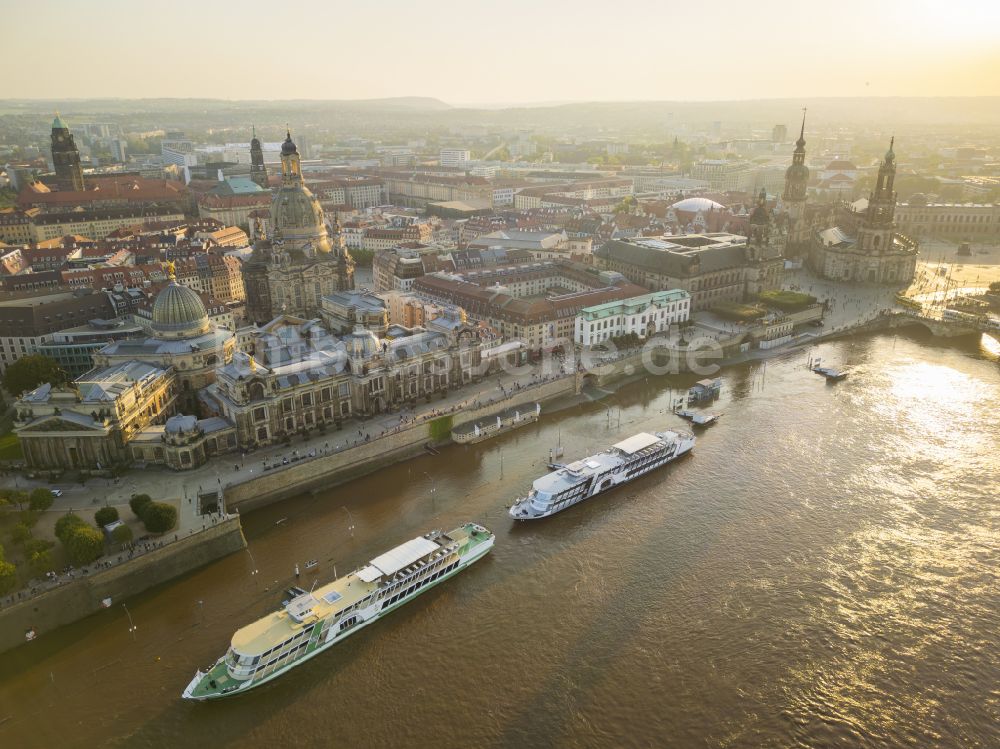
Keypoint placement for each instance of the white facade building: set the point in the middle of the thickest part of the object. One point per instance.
(644, 316)
(455, 156)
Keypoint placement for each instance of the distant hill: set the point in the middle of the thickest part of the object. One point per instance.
(416, 103)
(901, 111)
(401, 117)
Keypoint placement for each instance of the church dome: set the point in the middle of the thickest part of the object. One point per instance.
(179, 313)
(297, 218)
(288, 147)
(693, 205)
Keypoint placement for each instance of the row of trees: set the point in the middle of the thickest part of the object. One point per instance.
(83, 543)
(8, 574)
(36, 551)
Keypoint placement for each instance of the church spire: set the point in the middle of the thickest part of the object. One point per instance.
(882, 200)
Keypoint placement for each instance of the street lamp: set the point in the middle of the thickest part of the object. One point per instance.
(433, 489)
(433, 483)
(131, 625)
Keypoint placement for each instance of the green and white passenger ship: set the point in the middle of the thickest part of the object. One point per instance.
(311, 622)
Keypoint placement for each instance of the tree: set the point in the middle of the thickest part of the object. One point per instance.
(122, 535)
(995, 287)
(105, 516)
(15, 497)
(159, 517)
(37, 544)
(363, 258)
(66, 525)
(84, 544)
(40, 499)
(139, 503)
(20, 534)
(29, 372)
(36, 551)
(7, 577)
(40, 561)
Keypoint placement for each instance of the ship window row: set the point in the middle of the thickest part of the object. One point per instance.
(304, 633)
(418, 585)
(643, 465)
(353, 607)
(574, 492)
(274, 662)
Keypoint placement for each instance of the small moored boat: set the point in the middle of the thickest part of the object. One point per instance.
(699, 419)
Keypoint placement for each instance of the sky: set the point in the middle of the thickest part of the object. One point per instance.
(515, 51)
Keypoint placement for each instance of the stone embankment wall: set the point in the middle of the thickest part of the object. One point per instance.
(330, 470)
(81, 597)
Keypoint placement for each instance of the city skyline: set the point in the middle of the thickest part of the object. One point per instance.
(742, 52)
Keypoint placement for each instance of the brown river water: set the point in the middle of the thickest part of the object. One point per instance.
(822, 571)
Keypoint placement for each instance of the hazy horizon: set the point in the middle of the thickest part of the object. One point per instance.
(525, 54)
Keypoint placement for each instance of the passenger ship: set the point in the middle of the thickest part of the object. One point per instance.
(314, 621)
(622, 462)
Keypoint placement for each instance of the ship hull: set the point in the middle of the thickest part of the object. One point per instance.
(524, 511)
(474, 555)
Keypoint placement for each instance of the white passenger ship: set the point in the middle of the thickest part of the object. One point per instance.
(314, 621)
(619, 464)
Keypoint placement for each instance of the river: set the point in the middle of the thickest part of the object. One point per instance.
(824, 570)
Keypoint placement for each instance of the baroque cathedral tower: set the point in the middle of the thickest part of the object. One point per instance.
(258, 172)
(794, 197)
(292, 270)
(869, 250)
(65, 156)
(875, 234)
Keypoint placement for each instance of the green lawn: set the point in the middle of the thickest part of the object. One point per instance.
(789, 301)
(737, 311)
(10, 448)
